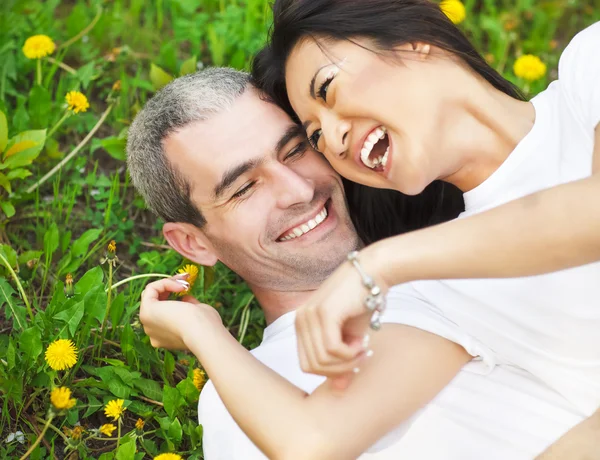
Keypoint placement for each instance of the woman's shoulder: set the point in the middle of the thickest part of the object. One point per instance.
(579, 73)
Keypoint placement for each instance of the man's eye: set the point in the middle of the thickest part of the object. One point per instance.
(297, 151)
(241, 192)
(314, 138)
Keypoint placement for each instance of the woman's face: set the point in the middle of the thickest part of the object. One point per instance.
(376, 119)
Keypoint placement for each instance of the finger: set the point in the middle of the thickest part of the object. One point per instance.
(336, 343)
(305, 352)
(316, 337)
(191, 299)
(341, 382)
(160, 290)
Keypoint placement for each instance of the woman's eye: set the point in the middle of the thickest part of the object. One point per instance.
(325, 86)
(245, 189)
(314, 138)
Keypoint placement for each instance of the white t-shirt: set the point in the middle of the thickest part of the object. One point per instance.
(548, 325)
(497, 415)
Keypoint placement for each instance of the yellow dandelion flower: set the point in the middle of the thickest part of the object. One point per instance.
(38, 46)
(139, 425)
(69, 285)
(107, 429)
(192, 271)
(77, 101)
(529, 67)
(199, 378)
(61, 354)
(114, 409)
(168, 457)
(61, 398)
(454, 9)
(112, 247)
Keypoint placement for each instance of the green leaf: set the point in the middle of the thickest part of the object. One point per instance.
(94, 405)
(3, 131)
(126, 450)
(116, 308)
(6, 297)
(149, 388)
(10, 355)
(90, 280)
(189, 66)
(118, 388)
(72, 316)
(95, 304)
(40, 105)
(19, 173)
(5, 183)
(7, 208)
(30, 342)
(175, 431)
(115, 147)
(22, 149)
(159, 77)
(126, 375)
(51, 240)
(10, 255)
(79, 250)
(169, 364)
(172, 400)
(188, 390)
(107, 456)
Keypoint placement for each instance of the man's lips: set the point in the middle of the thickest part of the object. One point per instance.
(305, 225)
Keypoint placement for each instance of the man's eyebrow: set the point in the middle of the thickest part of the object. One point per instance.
(291, 133)
(232, 174)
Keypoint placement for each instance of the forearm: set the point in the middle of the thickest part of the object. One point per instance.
(582, 442)
(551, 230)
(267, 407)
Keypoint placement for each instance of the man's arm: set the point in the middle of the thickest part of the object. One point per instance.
(580, 443)
(408, 368)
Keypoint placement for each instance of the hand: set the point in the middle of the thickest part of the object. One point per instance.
(332, 326)
(169, 322)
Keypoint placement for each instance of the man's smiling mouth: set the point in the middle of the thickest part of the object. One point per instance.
(307, 226)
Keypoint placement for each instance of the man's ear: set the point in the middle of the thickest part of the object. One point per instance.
(189, 241)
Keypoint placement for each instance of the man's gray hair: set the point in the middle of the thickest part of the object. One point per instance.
(185, 100)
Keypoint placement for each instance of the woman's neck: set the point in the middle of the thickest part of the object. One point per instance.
(484, 129)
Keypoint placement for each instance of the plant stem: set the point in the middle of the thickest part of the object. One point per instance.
(107, 312)
(74, 151)
(21, 290)
(39, 438)
(39, 72)
(119, 432)
(53, 428)
(84, 31)
(62, 65)
(135, 277)
(57, 125)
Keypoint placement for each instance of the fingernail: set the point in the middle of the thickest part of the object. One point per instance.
(181, 276)
(356, 370)
(184, 283)
(369, 353)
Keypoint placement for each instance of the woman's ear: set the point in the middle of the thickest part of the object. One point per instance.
(189, 241)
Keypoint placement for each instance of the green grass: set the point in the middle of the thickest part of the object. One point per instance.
(59, 221)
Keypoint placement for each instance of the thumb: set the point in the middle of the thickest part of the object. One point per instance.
(340, 383)
(190, 299)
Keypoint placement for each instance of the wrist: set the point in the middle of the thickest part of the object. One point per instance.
(375, 260)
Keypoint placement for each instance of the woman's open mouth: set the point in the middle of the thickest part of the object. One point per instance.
(375, 151)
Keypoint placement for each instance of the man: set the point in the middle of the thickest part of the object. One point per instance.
(232, 177)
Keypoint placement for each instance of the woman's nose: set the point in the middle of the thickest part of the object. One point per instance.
(336, 132)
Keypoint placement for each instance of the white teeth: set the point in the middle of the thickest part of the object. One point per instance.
(307, 227)
(372, 139)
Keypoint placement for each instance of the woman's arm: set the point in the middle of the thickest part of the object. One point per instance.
(409, 367)
(550, 230)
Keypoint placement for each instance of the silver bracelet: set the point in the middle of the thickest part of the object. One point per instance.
(375, 300)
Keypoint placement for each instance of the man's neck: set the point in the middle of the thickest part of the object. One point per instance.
(277, 303)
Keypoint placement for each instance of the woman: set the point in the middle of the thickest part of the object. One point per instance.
(364, 80)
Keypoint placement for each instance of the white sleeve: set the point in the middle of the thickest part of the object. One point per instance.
(405, 305)
(212, 415)
(579, 75)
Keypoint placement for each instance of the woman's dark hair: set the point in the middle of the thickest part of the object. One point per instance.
(376, 213)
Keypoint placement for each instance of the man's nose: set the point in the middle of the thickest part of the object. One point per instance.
(292, 188)
(335, 131)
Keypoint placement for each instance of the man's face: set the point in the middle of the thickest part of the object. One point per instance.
(275, 209)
